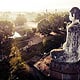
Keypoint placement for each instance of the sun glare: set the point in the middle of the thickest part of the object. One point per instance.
(36, 5)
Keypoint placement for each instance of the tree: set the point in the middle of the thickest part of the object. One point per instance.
(6, 29)
(41, 16)
(56, 21)
(20, 19)
(44, 26)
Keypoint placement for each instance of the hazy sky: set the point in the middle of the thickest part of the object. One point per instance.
(36, 5)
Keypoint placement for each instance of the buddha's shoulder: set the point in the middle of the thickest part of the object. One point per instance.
(74, 27)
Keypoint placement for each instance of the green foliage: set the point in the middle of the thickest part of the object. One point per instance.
(16, 63)
(20, 19)
(6, 28)
(66, 17)
(34, 30)
(39, 17)
(54, 21)
(44, 26)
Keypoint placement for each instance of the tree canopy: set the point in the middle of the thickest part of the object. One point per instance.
(44, 26)
(20, 19)
(52, 22)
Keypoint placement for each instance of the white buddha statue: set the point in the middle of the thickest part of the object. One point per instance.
(72, 44)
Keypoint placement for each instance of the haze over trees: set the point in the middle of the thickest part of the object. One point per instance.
(20, 19)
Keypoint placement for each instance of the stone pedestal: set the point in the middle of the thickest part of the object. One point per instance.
(64, 70)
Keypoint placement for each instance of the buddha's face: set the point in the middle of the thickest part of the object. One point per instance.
(72, 18)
